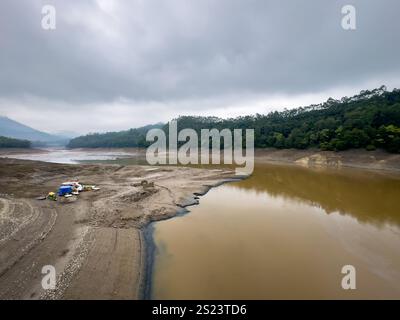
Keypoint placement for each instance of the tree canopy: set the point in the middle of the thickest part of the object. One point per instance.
(368, 120)
(14, 143)
(122, 139)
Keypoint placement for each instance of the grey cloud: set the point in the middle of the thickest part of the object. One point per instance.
(175, 49)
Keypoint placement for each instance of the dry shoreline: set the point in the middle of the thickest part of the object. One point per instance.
(357, 159)
(96, 242)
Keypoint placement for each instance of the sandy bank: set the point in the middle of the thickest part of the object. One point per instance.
(371, 160)
(95, 241)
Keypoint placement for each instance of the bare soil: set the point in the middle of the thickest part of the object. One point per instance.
(94, 240)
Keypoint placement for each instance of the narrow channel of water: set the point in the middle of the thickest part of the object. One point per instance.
(284, 233)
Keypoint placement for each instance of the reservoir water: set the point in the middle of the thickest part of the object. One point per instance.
(284, 233)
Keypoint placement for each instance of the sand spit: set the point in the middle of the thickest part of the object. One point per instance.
(95, 240)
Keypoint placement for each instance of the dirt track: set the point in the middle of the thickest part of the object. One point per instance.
(95, 241)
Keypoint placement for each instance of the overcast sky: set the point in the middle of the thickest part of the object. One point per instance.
(113, 65)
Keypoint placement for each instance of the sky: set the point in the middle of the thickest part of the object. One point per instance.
(113, 65)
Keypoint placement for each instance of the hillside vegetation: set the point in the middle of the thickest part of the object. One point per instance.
(14, 143)
(368, 120)
(121, 139)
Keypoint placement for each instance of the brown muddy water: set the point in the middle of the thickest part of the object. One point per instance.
(284, 233)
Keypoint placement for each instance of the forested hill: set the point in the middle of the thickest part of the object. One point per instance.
(130, 138)
(368, 120)
(14, 143)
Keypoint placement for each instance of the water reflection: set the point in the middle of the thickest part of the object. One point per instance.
(74, 156)
(286, 232)
(367, 196)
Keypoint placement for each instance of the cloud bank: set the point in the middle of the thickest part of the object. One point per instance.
(111, 65)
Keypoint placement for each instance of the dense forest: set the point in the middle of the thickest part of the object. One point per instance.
(122, 139)
(368, 120)
(14, 143)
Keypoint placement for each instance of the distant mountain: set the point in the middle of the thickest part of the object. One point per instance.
(13, 129)
(66, 134)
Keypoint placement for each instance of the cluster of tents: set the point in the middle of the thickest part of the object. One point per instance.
(69, 189)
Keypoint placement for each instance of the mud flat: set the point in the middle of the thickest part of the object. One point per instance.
(96, 240)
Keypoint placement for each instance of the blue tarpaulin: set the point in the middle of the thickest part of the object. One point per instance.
(63, 190)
